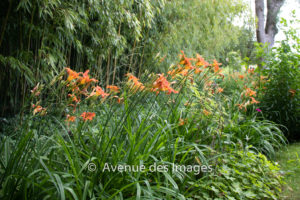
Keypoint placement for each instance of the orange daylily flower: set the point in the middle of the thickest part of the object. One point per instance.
(242, 106)
(87, 116)
(173, 72)
(250, 92)
(85, 79)
(201, 62)
(251, 71)
(119, 100)
(38, 109)
(71, 118)
(98, 91)
(184, 72)
(216, 66)
(74, 98)
(197, 71)
(113, 88)
(136, 84)
(263, 77)
(254, 101)
(241, 76)
(185, 61)
(162, 84)
(220, 90)
(181, 122)
(71, 74)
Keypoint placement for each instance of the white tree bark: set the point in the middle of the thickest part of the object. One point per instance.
(266, 29)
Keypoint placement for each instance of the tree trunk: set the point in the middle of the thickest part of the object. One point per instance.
(265, 32)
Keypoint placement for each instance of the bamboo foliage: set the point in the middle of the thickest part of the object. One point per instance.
(38, 38)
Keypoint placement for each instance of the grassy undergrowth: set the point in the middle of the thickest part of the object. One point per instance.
(289, 161)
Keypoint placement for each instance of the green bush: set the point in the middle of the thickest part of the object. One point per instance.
(281, 96)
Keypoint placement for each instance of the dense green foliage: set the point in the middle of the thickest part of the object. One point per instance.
(198, 126)
(39, 38)
(147, 125)
(281, 95)
(205, 27)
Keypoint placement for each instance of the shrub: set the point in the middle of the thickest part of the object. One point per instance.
(281, 96)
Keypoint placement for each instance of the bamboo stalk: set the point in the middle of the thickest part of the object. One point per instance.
(5, 22)
(140, 66)
(115, 61)
(107, 69)
(30, 31)
(131, 58)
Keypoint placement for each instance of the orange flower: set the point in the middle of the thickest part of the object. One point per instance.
(201, 62)
(98, 91)
(254, 101)
(250, 92)
(197, 71)
(162, 84)
(181, 122)
(136, 84)
(251, 70)
(87, 116)
(242, 106)
(113, 88)
(220, 90)
(241, 76)
(39, 109)
(216, 66)
(263, 77)
(71, 74)
(185, 61)
(73, 97)
(184, 72)
(173, 72)
(206, 113)
(86, 78)
(71, 118)
(119, 100)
